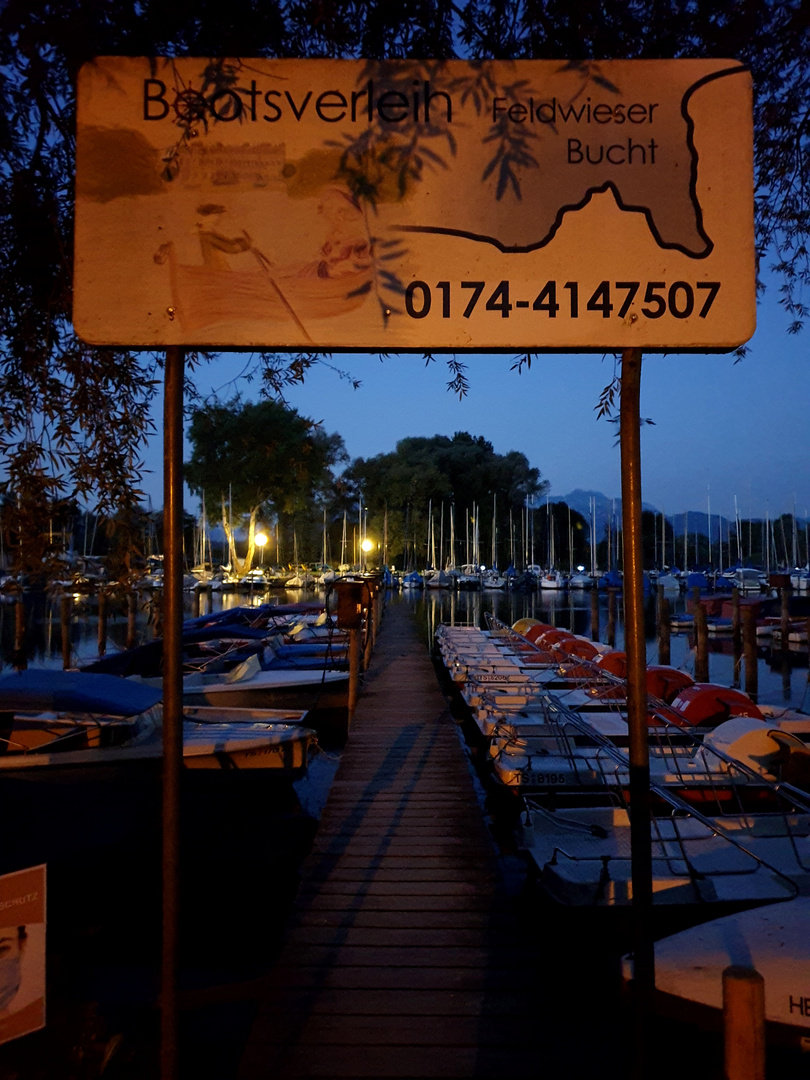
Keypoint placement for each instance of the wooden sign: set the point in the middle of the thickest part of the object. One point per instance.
(397, 205)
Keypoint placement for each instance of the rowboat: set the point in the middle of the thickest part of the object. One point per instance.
(65, 725)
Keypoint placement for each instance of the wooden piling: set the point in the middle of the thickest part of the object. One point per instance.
(784, 621)
(736, 634)
(156, 615)
(132, 611)
(594, 613)
(102, 621)
(664, 627)
(744, 1023)
(368, 625)
(611, 619)
(65, 605)
(354, 671)
(701, 640)
(20, 661)
(749, 633)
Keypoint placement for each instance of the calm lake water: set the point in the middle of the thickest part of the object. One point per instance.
(782, 677)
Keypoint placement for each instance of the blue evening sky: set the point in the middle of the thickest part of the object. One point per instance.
(721, 429)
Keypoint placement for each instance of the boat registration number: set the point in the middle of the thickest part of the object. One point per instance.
(546, 778)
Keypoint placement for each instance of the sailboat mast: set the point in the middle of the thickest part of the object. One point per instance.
(493, 558)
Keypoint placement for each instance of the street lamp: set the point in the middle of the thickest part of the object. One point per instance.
(366, 546)
(260, 539)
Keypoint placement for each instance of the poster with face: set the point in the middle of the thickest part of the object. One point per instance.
(22, 952)
(349, 204)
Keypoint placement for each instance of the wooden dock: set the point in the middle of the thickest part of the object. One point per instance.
(404, 956)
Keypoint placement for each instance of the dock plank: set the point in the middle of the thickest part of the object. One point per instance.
(403, 956)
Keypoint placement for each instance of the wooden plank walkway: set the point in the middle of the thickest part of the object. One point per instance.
(404, 956)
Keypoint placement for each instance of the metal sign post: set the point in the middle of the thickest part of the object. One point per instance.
(172, 697)
(634, 643)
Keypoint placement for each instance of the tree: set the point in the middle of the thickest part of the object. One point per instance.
(463, 474)
(75, 416)
(254, 458)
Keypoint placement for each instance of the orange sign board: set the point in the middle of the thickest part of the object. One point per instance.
(22, 952)
(342, 204)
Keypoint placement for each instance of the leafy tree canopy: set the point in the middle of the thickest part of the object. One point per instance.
(459, 475)
(258, 458)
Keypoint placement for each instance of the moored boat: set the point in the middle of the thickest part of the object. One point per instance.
(773, 939)
(67, 724)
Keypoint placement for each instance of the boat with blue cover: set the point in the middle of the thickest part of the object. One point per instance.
(68, 722)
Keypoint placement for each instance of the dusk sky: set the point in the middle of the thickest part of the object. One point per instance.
(721, 429)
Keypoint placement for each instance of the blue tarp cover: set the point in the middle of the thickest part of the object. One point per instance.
(42, 689)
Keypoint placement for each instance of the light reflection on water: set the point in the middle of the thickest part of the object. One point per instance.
(782, 678)
(43, 628)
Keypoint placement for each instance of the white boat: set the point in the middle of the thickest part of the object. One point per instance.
(747, 580)
(303, 579)
(580, 581)
(253, 579)
(552, 579)
(69, 725)
(582, 855)
(469, 578)
(437, 579)
(491, 579)
(773, 939)
(545, 749)
(249, 686)
(669, 582)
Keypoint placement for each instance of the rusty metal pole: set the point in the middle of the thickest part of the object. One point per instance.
(172, 699)
(634, 643)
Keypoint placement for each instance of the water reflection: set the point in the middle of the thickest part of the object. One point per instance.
(782, 676)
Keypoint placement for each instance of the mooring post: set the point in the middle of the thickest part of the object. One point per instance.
(736, 633)
(640, 795)
(132, 610)
(20, 661)
(102, 621)
(784, 620)
(368, 624)
(595, 612)
(65, 604)
(354, 671)
(749, 632)
(701, 641)
(611, 618)
(172, 698)
(744, 1024)
(662, 613)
